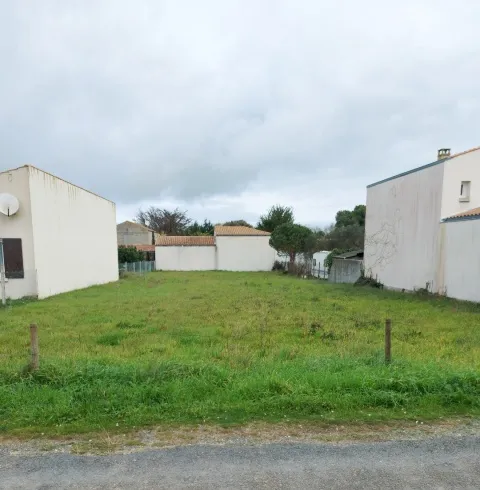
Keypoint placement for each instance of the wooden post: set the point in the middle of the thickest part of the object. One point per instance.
(388, 341)
(35, 361)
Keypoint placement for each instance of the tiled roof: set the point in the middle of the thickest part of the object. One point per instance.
(221, 230)
(463, 152)
(470, 214)
(185, 241)
(145, 248)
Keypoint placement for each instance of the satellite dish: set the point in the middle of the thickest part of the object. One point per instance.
(8, 204)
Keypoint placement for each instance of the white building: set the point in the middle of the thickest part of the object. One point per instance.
(61, 238)
(232, 248)
(318, 263)
(185, 253)
(459, 259)
(315, 264)
(422, 228)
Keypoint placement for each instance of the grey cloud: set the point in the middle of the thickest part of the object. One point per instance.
(189, 100)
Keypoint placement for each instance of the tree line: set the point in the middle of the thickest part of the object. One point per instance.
(288, 237)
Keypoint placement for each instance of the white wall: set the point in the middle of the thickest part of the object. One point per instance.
(320, 257)
(19, 226)
(461, 242)
(244, 253)
(462, 168)
(74, 235)
(402, 229)
(178, 258)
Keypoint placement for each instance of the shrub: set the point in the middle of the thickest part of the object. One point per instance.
(299, 269)
(278, 266)
(364, 280)
(328, 262)
(129, 254)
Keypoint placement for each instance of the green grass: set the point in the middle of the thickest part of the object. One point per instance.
(234, 347)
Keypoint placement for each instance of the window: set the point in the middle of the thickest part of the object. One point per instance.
(12, 256)
(314, 262)
(464, 191)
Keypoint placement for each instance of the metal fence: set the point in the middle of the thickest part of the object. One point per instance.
(137, 267)
(320, 273)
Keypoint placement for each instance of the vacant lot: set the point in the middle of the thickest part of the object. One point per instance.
(234, 347)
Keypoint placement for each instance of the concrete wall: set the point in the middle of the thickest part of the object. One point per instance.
(461, 259)
(402, 229)
(74, 235)
(129, 234)
(19, 226)
(345, 271)
(462, 168)
(244, 253)
(134, 238)
(178, 258)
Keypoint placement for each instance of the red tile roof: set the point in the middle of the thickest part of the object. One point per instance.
(463, 152)
(465, 214)
(185, 241)
(221, 230)
(145, 248)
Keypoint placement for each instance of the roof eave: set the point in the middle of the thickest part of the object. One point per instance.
(408, 172)
(461, 218)
(437, 162)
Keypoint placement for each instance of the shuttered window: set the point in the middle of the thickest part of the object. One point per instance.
(13, 258)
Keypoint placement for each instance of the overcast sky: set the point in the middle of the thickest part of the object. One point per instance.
(225, 107)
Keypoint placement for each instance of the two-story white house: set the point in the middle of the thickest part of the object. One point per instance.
(54, 236)
(423, 227)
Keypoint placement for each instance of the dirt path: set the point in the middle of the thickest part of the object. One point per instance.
(255, 433)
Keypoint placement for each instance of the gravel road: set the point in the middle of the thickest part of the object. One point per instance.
(440, 463)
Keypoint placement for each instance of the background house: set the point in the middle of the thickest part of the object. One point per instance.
(185, 253)
(314, 265)
(421, 225)
(232, 248)
(318, 264)
(131, 233)
(47, 244)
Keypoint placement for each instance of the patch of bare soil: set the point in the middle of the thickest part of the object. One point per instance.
(249, 434)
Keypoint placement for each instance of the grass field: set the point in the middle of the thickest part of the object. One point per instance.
(228, 348)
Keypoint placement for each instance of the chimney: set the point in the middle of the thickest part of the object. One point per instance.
(443, 153)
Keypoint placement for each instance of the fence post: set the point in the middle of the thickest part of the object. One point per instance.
(388, 341)
(35, 356)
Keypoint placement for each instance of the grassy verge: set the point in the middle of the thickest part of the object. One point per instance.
(226, 348)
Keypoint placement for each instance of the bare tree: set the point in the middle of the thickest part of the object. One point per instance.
(164, 221)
